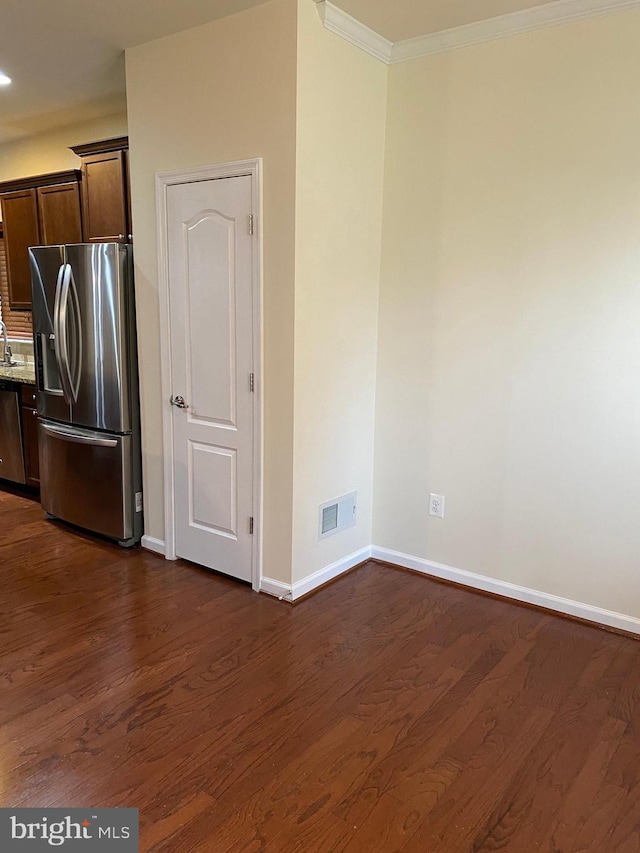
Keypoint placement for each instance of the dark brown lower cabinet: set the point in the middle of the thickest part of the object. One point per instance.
(30, 435)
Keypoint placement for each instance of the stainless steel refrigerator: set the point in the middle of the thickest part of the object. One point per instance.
(87, 381)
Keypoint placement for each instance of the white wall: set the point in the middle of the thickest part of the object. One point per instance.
(220, 92)
(505, 321)
(341, 108)
(509, 344)
(49, 152)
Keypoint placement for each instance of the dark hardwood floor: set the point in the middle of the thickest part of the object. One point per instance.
(386, 713)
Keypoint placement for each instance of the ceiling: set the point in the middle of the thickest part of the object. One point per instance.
(66, 56)
(66, 59)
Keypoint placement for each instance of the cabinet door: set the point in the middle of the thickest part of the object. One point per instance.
(104, 198)
(30, 438)
(11, 458)
(20, 220)
(30, 434)
(59, 214)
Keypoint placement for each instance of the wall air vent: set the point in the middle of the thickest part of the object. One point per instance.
(336, 515)
(329, 518)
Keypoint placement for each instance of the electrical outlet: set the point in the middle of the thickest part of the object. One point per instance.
(436, 505)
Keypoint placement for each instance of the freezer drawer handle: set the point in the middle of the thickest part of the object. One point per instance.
(78, 439)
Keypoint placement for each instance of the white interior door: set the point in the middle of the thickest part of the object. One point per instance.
(211, 317)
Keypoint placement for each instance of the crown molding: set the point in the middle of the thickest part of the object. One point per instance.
(503, 26)
(491, 29)
(350, 29)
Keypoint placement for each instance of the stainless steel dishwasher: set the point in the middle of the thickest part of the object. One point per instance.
(11, 452)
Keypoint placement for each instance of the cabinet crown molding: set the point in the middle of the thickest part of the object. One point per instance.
(103, 146)
(66, 177)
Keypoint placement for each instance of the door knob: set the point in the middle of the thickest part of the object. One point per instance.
(179, 402)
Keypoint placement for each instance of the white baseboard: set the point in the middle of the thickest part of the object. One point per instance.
(306, 585)
(509, 590)
(153, 544)
(472, 580)
(276, 588)
(330, 572)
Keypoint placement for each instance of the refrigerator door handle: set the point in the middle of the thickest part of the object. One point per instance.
(75, 361)
(58, 343)
(70, 435)
(69, 372)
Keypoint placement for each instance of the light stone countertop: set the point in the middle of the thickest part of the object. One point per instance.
(24, 372)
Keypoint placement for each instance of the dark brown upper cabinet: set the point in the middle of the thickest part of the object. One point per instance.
(44, 210)
(20, 223)
(105, 190)
(59, 214)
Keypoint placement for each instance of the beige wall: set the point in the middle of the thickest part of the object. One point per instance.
(220, 92)
(509, 345)
(340, 161)
(49, 152)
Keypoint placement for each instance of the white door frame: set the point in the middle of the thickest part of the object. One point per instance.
(253, 168)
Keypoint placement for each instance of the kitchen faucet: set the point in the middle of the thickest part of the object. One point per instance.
(6, 349)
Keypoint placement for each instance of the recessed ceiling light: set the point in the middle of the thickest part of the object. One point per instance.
(4, 79)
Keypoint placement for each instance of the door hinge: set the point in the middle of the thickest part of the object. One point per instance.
(251, 525)
(251, 224)
(252, 383)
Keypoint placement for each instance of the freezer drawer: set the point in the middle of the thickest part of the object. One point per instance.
(86, 478)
